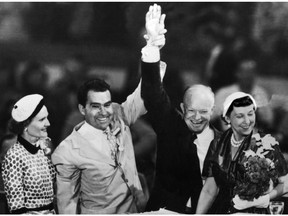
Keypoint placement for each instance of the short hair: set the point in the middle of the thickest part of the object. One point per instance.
(201, 90)
(240, 102)
(18, 127)
(5, 137)
(97, 85)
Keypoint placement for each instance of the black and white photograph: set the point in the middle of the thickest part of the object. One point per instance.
(122, 107)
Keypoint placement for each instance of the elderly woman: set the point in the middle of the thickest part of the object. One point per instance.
(221, 192)
(27, 171)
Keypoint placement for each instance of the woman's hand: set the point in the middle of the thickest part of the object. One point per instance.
(261, 202)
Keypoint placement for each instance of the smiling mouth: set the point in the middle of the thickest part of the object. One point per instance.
(246, 128)
(103, 119)
(196, 123)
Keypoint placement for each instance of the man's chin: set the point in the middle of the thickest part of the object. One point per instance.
(104, 126)
(197, 128)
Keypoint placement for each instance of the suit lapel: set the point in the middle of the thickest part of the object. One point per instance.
(87, 150)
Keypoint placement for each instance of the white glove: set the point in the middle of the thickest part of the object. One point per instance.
(261, 202)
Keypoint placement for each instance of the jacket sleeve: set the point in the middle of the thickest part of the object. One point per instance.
(68, 181)
(134, 107)
(153, 93)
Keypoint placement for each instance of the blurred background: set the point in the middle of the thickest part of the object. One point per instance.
(52, 47)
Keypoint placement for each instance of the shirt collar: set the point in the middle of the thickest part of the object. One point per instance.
(86, 128)
(27, 145)
(206, 134)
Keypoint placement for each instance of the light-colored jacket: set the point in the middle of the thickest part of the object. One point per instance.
(93, 180)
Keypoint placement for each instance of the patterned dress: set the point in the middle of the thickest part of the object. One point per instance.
(28, 176)
(227, 171)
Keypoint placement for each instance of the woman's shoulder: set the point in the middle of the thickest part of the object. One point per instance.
(15, 150)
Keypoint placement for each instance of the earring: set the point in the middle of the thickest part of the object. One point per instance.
(26, 129)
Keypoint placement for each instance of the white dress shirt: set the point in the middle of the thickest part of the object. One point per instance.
(203, 142)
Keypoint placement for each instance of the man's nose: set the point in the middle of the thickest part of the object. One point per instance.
(197, 115)
(103, 110)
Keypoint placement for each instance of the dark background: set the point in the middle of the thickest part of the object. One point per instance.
(105, 39)
(50, 48)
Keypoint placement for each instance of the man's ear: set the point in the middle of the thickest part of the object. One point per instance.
(81, 109)
(212, 109)
(182, 107)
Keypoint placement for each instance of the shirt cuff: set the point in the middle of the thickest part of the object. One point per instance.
(150, 54)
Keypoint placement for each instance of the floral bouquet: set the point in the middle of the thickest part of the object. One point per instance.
(258, 171)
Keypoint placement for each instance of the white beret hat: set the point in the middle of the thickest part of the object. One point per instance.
(27, 107)
(236, 95)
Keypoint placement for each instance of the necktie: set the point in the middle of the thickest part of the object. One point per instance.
(194, 150)
(193, 137)
(112, 140)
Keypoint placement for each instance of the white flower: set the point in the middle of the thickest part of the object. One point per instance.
(249, 153)
(43, 143)
(260, 152)
(120, 145)
(265, 142)
(271, 163)
(257, 137)
(269, 141)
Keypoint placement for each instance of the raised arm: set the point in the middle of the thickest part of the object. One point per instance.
(152, 91)
(134, 107)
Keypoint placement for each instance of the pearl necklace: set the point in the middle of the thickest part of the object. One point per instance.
(235, 143)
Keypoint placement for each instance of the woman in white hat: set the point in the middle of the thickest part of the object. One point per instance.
(229, 188)
(27, 169)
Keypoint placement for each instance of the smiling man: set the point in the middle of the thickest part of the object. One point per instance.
(96, 170)
(183, 138)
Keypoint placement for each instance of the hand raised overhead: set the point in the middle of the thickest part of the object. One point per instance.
(155, 28)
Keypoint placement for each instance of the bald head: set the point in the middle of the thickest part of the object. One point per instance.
(197, 107)
(199, 92)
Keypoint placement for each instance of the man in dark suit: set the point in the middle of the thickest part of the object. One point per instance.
(183, 136)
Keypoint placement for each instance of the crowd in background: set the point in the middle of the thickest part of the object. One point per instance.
(59, 87)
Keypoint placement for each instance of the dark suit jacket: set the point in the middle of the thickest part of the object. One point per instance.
(178, 175)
